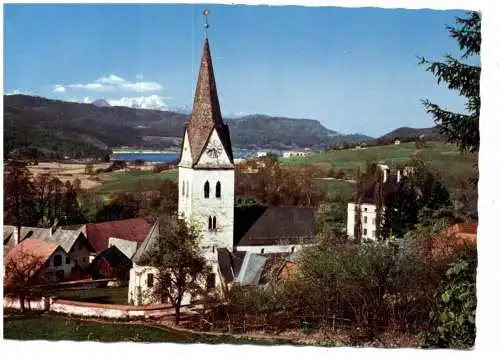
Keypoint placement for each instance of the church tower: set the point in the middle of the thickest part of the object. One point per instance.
(206, 166)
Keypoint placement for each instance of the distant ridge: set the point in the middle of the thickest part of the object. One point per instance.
(431, 133)
(58, 128)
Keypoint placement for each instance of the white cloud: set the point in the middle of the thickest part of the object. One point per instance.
(14, 92)
(149, 102)
(59, 88)
(92, 87)
(142, 86)
(87, 99)
(111, 79)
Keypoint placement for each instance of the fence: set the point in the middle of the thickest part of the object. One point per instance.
(97, 310)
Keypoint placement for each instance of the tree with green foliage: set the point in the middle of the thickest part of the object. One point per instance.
(379, 205)
(19, 194)
(358, 229)
(180, 263)
(454, 316)
(461, 129)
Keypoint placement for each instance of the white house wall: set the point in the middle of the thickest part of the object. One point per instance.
(368, 211)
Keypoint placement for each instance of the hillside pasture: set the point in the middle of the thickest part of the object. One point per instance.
(123, 181)
(446, 158)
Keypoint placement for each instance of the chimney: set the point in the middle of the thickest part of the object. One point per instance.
(54, 227)
(399, 175)
(385, 174)
(15, 237)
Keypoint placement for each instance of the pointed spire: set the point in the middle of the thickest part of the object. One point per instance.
(206, 115)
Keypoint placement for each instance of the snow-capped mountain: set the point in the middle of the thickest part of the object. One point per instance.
(150, 102)
(101, 102)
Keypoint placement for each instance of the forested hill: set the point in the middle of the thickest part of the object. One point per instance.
(79, 130)
(431, 133)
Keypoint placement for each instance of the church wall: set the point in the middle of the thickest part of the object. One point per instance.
(194, 205)
(221, 160)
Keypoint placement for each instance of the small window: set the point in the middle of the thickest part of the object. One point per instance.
(214, 223)
(366, 209)
(210, 281)
(47, 263)
(150, 280)
(365, 232)
(206, 189)
(217, 190)
(261, 251)
(293, 249)
(183, 187)
(213, 249)
(209, 223)
(187, 189)
(365, 219)
(68, 260)
(57, 260)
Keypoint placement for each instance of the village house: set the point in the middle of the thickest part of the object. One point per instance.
(293, 153)
(40, 260)
(391, 184)
(110, 263)
(126, 235)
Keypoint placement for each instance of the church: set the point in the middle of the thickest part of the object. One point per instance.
(234, 241)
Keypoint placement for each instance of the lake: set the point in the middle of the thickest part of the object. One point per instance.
(163, 157)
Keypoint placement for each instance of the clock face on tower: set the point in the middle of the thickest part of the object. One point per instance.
(214, 150)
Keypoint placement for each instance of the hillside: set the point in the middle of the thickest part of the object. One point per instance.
(60, 128)
(431, 133)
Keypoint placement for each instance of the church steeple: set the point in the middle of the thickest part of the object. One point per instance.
(206, 115)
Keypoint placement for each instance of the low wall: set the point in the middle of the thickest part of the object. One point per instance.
(87, 309)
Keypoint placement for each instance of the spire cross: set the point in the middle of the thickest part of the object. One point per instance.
(206, 13)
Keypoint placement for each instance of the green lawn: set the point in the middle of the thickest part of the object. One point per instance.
(135, 180)
(51, 328)
(445, 157)
(114, 295)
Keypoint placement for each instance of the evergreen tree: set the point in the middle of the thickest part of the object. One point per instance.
(379, 205)
(461, 129)
(19, 195)
(359, 201)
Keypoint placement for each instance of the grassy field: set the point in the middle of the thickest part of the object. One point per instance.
(52, 328)
(444, 157)
(130, 181)
(114, 295)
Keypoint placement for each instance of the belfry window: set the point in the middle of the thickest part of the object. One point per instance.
(187, 189)
(217, 190)
(206, 189)
(209, 223)
(214, 223)
(183, 187)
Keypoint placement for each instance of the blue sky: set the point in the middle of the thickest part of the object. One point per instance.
(354, 70)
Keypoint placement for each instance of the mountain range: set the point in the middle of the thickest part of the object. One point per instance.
(58, 128)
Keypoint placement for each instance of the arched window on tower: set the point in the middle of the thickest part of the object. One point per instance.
(209, 223)
(187, 189)
(206, 189)
(214, 223)
(217, 190)
(183, 187)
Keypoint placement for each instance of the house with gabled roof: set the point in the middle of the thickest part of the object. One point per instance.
(32, 257)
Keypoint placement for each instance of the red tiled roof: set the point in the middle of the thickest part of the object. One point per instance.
(464, 228)
(30, 255)
(129, 229)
